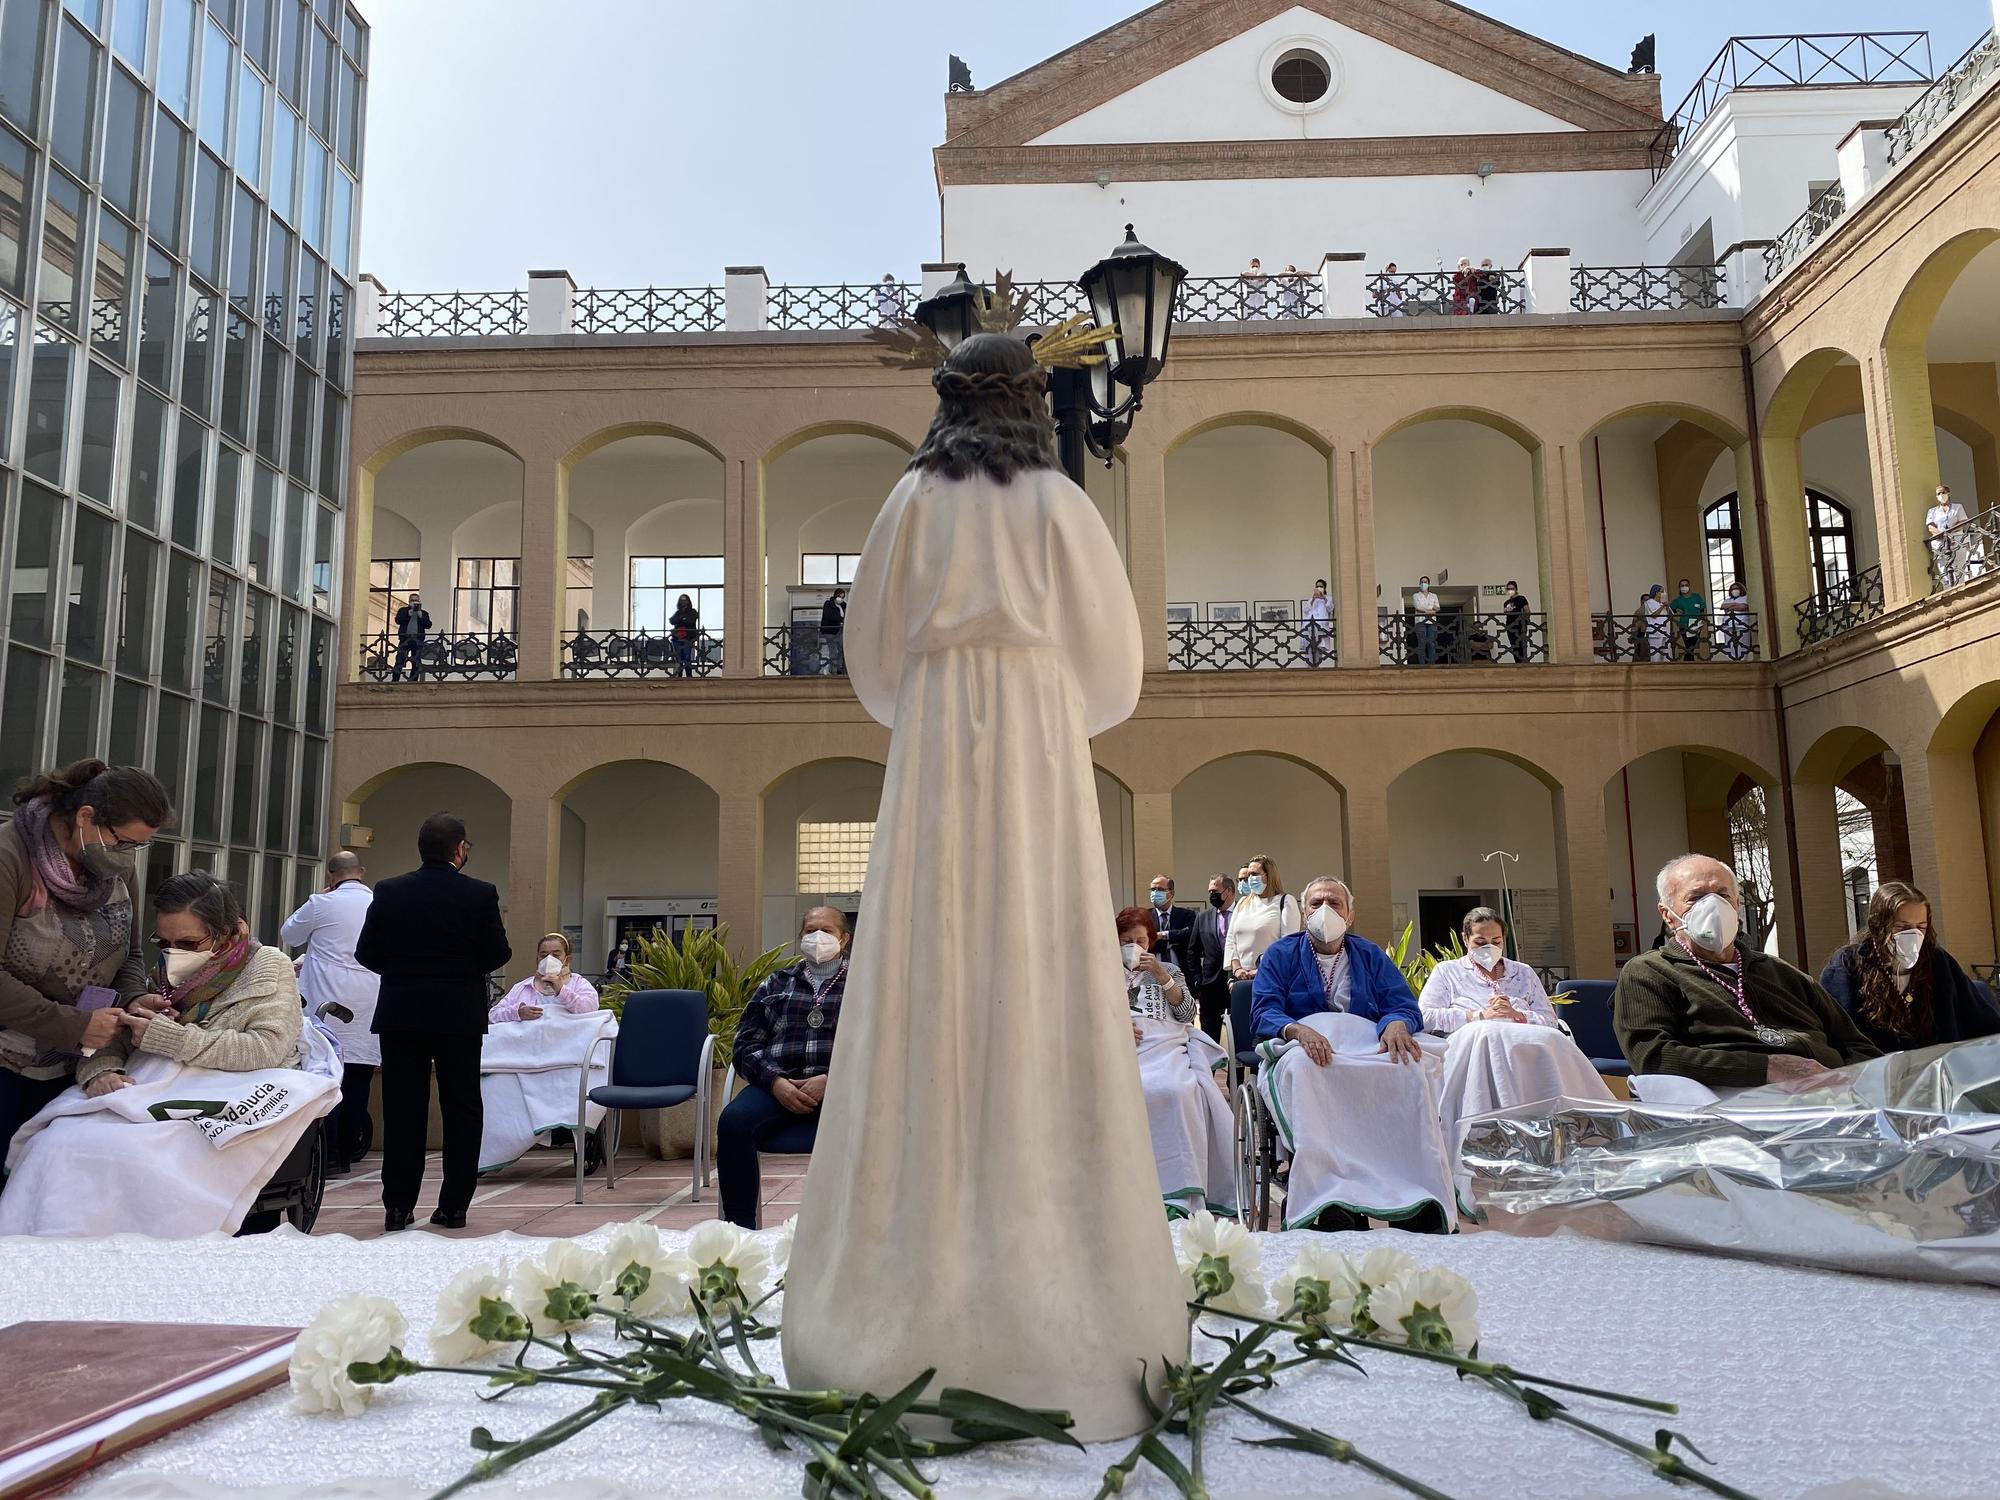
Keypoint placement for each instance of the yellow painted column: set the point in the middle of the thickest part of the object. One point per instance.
(1903, 457)
(739, 871)
(1354, 584)
(1146, 545)
(544, 565)
(1153, 843)
(1368, 867)
(360, 551)
(742, 567)
(1820, 871)
(1780, 894)
(1948, 849)
(1791, 558)
(1560, 496)
(1583, 879)
(534, 858)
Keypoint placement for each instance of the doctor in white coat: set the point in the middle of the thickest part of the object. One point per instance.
(327, 927)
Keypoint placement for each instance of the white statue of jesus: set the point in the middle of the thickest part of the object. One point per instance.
(982, 1198)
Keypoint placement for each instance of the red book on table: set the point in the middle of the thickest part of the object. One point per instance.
(80, 1394)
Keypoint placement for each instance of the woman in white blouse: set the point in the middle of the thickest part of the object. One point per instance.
(1263, 914)
(1483, 986)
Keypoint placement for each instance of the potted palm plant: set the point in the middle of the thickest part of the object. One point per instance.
(700, 961)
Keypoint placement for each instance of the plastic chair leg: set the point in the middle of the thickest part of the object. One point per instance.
(613, 1118)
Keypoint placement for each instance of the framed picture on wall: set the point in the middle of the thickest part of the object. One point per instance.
(1275, 611)
(1180, 614)
(1234, 613)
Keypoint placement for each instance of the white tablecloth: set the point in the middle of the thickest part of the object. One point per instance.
(1799, 1385)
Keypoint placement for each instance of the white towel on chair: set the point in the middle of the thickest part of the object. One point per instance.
(528, 1079)
(1362, 1131)
(1194, 1139)
(180, 1152)
(1491, 1065)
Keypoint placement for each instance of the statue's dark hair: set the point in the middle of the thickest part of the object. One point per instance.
(992, 416)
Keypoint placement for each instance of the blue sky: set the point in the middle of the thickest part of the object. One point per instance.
(652, 142)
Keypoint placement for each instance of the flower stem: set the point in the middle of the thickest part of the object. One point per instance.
(556, 1432)
(1669, 1466)
(1338, 1449)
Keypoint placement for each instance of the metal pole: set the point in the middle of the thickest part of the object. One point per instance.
(1506, 903)
(1069, 398)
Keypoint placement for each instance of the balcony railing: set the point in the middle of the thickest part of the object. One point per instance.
(1427, 294)
(1463, 639)
(1962, 82)
(801, 651)
(1250, 645)
(1644, 288)
(453, 315)
(489, 654)
(1822, 60)
(639, 653)
(1729, 635)
(1048, 303)
(1848, 604)
(1966, 551)
(651, 309)
(1236, 299)
(791, 308)
(1820, 215)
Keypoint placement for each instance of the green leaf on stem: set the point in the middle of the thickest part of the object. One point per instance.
(484, 1441)
(1163, 1458)
(990, 1419)
(1666, 1437)
(867, 1433)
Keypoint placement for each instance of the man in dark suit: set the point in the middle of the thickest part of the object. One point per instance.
(1208, 946)
(433, 935)
(1173, 923)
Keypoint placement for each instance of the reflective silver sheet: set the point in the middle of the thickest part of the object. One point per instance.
(1892, 1169)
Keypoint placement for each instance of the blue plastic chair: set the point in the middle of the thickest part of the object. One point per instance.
(1245, 1054)
(1588, 1016)
(660, 1058)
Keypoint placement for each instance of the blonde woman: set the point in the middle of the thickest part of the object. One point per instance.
(1264, 913)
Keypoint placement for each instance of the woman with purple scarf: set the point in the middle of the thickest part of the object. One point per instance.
(70, 960)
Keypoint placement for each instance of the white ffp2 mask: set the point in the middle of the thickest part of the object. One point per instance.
(1131, 953)
(820, 947)
(1712, 922)
(1909, 944)
(1486, 955)
(1326, 924)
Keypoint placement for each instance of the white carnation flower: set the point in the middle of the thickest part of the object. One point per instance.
(565, 1263)
(729, 1265)
(348, 1331)
(1320, 1286)
(1433, 1309)
(780, 1248)
(1380, 1267)
(452, 1340)
(637, 1247)
(1218, 1261)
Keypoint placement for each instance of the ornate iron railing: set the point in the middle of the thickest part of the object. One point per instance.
(1426, 294)
(1966, 551)
(1727, 635)
(446, 657)
(1465, 639)
(1047, 303)
(863, 305)
(801, 651)
(1823, 59)
(1250, 645)
(452, 315)
(1819, 216)
(649, 309)
(1644, 288)
(639, 653)
(1236, 299)
(1987, 973)
(1835, 611)
(1962, 81)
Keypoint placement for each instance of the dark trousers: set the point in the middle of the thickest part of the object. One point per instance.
(407, 1060)
(748, 1121)
(21, 1099)
(410, 651)
(354, 1131)
(1214, 1002)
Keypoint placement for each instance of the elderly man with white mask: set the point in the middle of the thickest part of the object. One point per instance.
(1344, 1078)
(1706, 1008)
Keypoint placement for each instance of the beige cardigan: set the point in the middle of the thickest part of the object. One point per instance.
(255, 1023)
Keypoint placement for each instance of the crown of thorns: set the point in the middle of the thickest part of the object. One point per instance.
(1071, 344)
(966, 385)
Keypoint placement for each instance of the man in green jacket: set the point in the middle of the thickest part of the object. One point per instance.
(1702, 1007)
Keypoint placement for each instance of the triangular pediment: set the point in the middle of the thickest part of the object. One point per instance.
(1460, 73)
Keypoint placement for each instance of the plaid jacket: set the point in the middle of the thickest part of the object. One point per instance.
(773, 1040)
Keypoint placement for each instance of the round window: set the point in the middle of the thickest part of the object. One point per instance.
(1301, 77)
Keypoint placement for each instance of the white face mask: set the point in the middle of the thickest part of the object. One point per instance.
(1908, 945)
(820, 947)
(1711, 922)
(1132, 953)
(549, 967)
(1327, 925)
(182, 965)
(1486, 955)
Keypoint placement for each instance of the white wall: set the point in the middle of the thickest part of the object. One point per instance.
(822, 496)
(438, 488)
(1248, 517)
(1657, 808)
(1246, 805)
(639, 829)
(395, 534)
(1630, 496)
(648, 496)
(398, 809)
(1447, 812)
(1460, 496)
(1833, 458)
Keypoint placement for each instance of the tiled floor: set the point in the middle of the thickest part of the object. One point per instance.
(537, 1196)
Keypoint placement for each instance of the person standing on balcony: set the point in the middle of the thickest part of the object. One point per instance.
(1292, 293)
(1488, 287)
(1390, 298)
(1736, 623)
(1318, 626)
(1689, 611)
(1947, 550)
(413, 624)
(833, 633)
(1517, 608)
(685, 623)
(1254, 291)
(1464, 289)
(1650, 626)
(1424, 607)
(888, 299)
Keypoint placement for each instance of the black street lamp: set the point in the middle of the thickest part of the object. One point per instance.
(952, 313)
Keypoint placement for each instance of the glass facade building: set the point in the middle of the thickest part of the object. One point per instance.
(179, 197)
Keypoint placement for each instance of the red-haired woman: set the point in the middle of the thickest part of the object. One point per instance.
(1187, 1111)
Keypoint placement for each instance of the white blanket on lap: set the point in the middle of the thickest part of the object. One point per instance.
(1491, 1065)
(528, 1079)
(1362, 1131)
(1194, 1136)
(181, 1152)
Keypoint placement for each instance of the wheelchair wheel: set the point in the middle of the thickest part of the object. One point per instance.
(303, 1211)
(593, 1152)
(1252, 1191)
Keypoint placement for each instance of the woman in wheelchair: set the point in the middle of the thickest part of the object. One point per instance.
(551, 987)
(1187, 1106)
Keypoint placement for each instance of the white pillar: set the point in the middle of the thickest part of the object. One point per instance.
(551, 302)
(1548, 281)
(1343, 281)
(1864, 158)
(368, 305)
(1743, 272)
(744, 290)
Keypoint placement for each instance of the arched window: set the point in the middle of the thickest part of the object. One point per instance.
(1722, 546)
(1831, 529)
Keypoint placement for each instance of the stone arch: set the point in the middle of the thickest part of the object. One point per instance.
(1298, 818)
(842, 792)
(1276, 421)
(812, 474)
(837, 428)
(636, 828)
(604, 437)
(1480, 416)
(1787, 415)
(396, 799)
